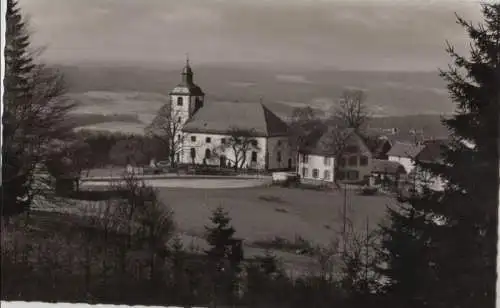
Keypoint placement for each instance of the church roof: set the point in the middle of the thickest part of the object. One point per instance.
(224, 117)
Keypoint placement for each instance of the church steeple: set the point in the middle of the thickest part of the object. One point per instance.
(187, 73)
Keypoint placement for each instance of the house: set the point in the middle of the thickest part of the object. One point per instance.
(432, 153)
(387, 173)
(226, 134)
(405, 153)
(317, 159)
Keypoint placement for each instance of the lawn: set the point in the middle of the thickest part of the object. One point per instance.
(262, 213)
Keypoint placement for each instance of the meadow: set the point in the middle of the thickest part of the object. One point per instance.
(267, 214)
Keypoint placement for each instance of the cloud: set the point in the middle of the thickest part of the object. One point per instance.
(316, 33)
(292, 78)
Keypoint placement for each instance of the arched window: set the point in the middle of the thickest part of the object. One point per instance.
(179, 101)
(208, 153)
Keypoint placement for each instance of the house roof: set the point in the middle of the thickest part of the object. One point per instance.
(223, 117)
(385, 166)
(433, 151)
(320, 142)
(404, 149)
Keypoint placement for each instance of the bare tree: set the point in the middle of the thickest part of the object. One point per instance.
(303, 122)
(347, 120)
(166, 127)
(240, 142)
(352, 111)
(337, 140)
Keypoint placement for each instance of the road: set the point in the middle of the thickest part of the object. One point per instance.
(215, 183)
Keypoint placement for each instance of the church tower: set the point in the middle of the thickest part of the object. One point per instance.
(186, 98)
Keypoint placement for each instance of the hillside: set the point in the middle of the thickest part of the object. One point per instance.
(399, 99)
(388, 93)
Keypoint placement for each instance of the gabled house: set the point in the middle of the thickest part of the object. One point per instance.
(405, 153)
(387, 173)
(317, 159)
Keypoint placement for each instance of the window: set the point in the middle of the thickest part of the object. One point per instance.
(353, 161)
(279, 142)
(208, 140)
(304, 172)
(341, 175)
(192, 153)
(208, 153)
(278, 156)
(254, 143)
(342, 162)
(179, 119)
(363, 160)
(326, 175)
(179, 101)
(178, 137)
(193, 138)
(315, 173)
(223, 141)
(326, 161)
(304, 158)
(254, 157)
(352, 175)
(351, 149)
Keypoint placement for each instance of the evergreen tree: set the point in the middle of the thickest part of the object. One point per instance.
(219, 236)
(454, 232)
(33, 114)
(224, 261)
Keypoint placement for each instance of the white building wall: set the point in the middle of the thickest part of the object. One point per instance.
(183, 112)
(363, 171)
(305, 168)
(217, 149)
(281, 155)
(406, 162)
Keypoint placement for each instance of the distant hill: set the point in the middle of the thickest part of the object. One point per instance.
(116, 95)
(388, 93)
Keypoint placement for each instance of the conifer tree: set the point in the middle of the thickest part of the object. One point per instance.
(454, 232)
(33, 115)
(224, 264)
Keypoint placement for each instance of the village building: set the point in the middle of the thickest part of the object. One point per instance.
(225, 134)
(387, 174)
(317, 161)
(431, 153)
(405, 153)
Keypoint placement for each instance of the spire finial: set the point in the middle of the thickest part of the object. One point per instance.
(187, 59)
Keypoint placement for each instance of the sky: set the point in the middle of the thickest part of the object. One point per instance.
(317, 34)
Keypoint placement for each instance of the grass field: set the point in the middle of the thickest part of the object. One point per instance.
(261, 213)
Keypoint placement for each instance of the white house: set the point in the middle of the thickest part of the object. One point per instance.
(405, 153)
(317, 159)
(227, 133)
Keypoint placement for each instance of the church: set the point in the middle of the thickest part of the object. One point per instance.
(247, 134)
